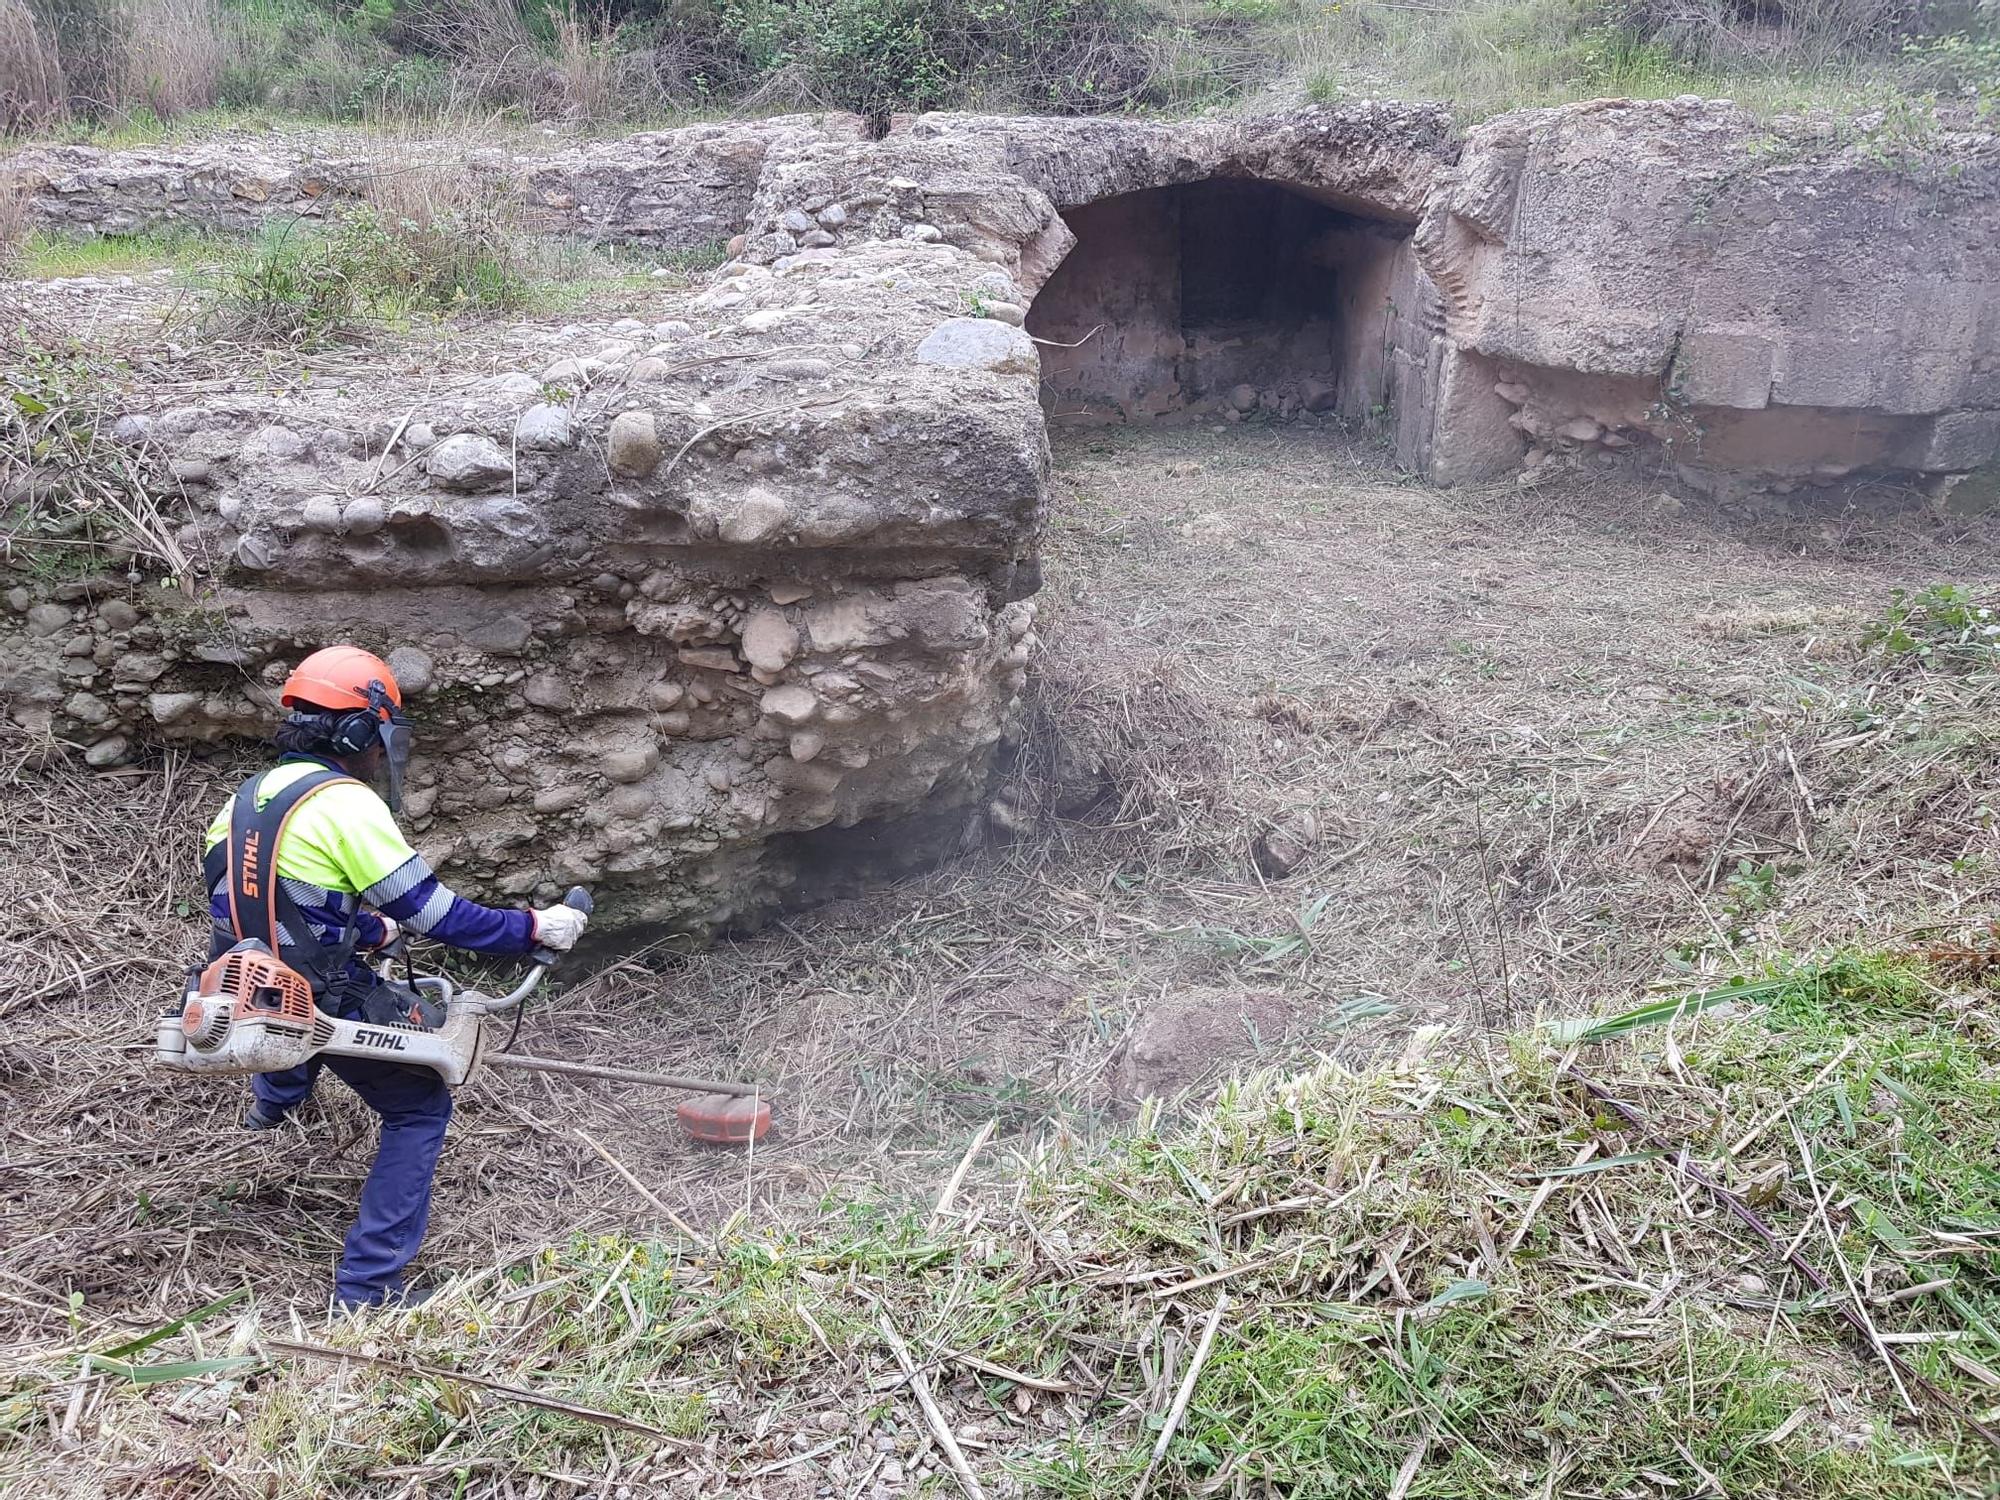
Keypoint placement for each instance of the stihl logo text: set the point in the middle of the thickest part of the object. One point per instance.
(387, 1040)
(250, 842)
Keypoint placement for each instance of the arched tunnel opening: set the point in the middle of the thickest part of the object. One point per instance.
(1188, 299)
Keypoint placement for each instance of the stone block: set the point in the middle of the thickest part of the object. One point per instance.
(1826, 372)
(1725, 369)
(980, 344)
(1962, 440)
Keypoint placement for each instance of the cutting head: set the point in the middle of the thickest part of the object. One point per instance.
(725, 1119)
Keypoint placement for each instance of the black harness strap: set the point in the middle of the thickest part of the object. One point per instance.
(259, 907)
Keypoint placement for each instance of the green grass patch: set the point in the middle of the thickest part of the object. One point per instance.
(46, 254)
(308, 286)
(312, 285)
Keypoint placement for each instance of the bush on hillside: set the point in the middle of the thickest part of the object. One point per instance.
(619, 61)
(1809, 32)
(33, 91)
(877, 57)
(430, 237)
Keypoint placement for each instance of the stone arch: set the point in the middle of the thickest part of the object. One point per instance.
(1175, 297)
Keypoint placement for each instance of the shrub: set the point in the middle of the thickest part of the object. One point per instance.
(443, 236)
(694, 52)
(80, 497)
(1804, 34)
(1961, 66)
(299, 287)
(174, 54)
(877, 57)
(32, 90)
(87, 38)
(600, 80)
(429, 238)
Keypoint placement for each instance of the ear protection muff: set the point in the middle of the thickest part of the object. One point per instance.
(354, 732)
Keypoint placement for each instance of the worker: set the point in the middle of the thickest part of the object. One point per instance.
(348, 881)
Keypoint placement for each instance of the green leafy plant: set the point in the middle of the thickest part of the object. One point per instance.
(78, 495)
(1943, 625)
(1264, 951)
(1960, 66)
(878, 57)
(309, 287)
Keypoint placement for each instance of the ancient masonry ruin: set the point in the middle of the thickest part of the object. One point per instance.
(697, 611)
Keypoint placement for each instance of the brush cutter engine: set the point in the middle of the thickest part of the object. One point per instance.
(250, 1012)
(247, 1012)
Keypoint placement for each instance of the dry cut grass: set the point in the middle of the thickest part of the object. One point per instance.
(1733, 1244)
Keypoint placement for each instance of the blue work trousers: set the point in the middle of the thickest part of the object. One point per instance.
(414, 1106)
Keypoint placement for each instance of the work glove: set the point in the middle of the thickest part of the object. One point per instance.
(390, 932)
(559, 927)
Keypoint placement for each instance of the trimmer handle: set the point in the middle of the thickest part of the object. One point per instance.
(578, 899)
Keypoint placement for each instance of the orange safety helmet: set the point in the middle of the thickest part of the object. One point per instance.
(339, 677)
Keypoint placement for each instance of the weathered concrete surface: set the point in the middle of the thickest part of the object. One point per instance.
(1759, 305)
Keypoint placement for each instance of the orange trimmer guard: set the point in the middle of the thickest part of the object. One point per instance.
(726, 1119)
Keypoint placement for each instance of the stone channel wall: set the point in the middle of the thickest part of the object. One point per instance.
(1672, 285)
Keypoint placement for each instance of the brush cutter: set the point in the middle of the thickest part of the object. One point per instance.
(249, 1012)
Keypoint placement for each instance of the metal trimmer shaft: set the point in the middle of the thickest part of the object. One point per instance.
(620, 1075)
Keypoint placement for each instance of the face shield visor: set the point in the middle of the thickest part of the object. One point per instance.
(395, 734)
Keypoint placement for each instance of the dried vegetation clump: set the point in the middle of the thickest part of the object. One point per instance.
(78, 492)
(1733, 1241)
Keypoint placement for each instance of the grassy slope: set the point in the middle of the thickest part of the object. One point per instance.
(272, 63)
(1444, 1278)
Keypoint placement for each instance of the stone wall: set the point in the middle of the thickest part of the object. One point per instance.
(1739, 304)
(1743, 305)
(682, 189)
(666, 598)
(691, 607)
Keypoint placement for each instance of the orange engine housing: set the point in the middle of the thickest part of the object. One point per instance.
(246, 983)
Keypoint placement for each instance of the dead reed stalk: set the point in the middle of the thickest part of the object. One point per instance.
(175, 53)
(33, 92)
(14, 223)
